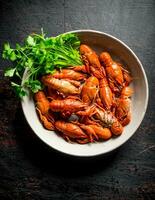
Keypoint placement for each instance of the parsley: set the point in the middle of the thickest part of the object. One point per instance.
(40, 55)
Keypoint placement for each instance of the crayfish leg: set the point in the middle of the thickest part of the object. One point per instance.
(126, 120)
(67, 138)
(83, 141)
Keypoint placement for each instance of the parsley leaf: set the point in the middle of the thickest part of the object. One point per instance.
(9, 72)
(34, 85)
(20, 92)
(30, 41)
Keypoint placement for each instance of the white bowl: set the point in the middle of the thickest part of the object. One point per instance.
(99, 41)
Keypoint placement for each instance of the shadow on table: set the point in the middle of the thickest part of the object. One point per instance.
(52, 161)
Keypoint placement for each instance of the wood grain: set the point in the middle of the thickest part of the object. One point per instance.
(29, 170)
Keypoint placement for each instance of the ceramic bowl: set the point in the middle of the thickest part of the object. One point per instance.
(99, 41)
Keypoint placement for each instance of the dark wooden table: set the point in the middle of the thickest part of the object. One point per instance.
(29, 170)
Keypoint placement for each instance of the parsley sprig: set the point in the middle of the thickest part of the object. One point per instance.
(40, 55)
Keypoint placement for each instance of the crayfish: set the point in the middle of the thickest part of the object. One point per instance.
(86, 103)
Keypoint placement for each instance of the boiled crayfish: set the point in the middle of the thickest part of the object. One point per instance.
(61, 86)
(42, 106)
(86, 103)
(91, 59)
(90, 90)
(69, 74)
(104, 118)
(71, 131)
(71, 104)
(123, 108)
(118, 77)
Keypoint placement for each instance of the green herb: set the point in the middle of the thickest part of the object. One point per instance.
(40, 55)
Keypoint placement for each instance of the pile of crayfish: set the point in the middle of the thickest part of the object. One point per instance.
(86, 103)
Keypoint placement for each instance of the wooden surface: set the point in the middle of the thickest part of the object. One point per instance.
(29, 170)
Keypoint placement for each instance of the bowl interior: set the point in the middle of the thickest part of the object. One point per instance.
(99, 42)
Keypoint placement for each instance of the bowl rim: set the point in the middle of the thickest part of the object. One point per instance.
(146, 98)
